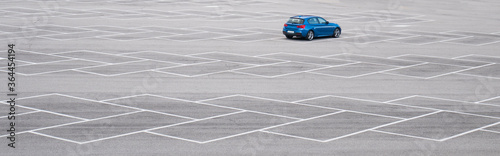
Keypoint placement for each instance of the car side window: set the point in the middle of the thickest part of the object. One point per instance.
(313, 21)
(321, 21)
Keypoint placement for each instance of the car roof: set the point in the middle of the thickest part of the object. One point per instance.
(304, 16)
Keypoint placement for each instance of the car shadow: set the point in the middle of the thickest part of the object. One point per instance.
(298, 39)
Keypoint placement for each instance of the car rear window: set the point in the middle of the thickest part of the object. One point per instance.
(295, 20)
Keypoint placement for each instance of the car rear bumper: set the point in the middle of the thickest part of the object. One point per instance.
(293, 34)
(297, 32)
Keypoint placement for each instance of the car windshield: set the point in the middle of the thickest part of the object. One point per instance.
(295, 20)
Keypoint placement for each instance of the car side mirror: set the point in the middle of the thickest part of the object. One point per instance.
(327, 22)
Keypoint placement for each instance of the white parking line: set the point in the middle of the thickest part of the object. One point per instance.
(467, 132)
(489, 131)
(41, 95)
(217, 98)
(25, 113)
(396, 57)
(54, 137)
(428, 108)
(410, 136)
(292, 136)
(174, 137)
(374, 128)
(481, 76)
(398, 99)
(270, 127)
(380, 126)
(459, 71)
(71, 123)
(252, 111)
(371, 73)
(468, 102)
(439, 41)
(487, 99)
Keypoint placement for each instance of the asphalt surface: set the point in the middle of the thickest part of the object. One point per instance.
(218, 77)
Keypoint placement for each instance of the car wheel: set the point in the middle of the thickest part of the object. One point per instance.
(289, 36)
(310, 35)
(336, 33)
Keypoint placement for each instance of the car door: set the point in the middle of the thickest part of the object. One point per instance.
(326, 29)
(316, 26)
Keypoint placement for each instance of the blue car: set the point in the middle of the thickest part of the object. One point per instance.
(309, 27)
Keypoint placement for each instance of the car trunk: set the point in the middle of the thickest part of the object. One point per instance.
(292, 26)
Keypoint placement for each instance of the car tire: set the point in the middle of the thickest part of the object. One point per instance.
(289, 36)
(336, 33)
(310, 35)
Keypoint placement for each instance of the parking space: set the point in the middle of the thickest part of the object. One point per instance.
(307, 59)
(114, 29)
(136, 36)
(427, 70)
(366, 39)
(279, 69)
(130, 67)
(374, 59)
(237, 58)
(481, 58)
(451, 105)
(270, 106)
(433, 59)
(475, 38)
(169, 30)
(40, 120)
(203, 68)
(486, 71)
(327, 128)
(251, 37)
(408, 21)
(74, 107)
(367, 107)
(56, 66)
(171, 106)
(72, 36)
(435, 126)
(234, 124)
(96, 56)
(109, 127)
(160, 56)
(353, 70)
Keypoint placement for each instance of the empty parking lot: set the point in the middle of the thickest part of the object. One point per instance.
(218, 77)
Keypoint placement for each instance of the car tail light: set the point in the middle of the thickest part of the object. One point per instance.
(286, 25)
(301, 26)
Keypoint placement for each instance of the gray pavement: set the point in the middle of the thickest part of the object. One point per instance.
(217, 77)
